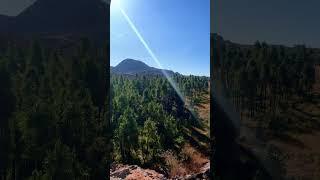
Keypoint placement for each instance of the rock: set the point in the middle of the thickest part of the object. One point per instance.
(133, 172)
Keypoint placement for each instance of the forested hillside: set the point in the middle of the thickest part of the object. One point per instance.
(54, 115)
(53, 111)
(272, 89)
(150, 120)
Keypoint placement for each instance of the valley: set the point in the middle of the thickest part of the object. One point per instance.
(170, 134)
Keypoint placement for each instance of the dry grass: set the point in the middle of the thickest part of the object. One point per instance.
(191, 161)
(203, 110)
(194, 160)
(176, 168)
(300, 141)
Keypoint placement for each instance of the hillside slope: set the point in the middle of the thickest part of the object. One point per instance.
(132, 67)
(88, 18)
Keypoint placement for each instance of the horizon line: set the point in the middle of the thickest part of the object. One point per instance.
(190, 74)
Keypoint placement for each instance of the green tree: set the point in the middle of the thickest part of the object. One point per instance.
(60, 162)
(128, 135)
(149, 142)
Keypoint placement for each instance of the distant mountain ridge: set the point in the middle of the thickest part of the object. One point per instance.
(59, 17)
(132, 67)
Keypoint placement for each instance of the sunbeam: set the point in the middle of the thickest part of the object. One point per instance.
(153, 56)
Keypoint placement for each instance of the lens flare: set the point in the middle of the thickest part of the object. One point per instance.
(115, 2)
(153, 56)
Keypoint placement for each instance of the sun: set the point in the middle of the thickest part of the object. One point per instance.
(114, 6)
(115, 2)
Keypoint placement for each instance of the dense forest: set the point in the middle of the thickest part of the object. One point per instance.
(149, 117)
(272, 87)
(53, 111)
(262, 78)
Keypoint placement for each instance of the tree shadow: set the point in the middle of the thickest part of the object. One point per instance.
(302, 124)
(290, 140)
(195, 142)
(200, 105)
(306, 113)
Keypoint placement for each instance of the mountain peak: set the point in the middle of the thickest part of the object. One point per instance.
(132, 66)
(134, 62)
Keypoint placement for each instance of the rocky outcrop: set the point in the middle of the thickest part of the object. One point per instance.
(134, 172)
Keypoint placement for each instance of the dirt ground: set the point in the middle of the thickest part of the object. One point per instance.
(299, 143)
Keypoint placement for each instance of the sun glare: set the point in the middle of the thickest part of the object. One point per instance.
(115, 3)
(153, 56)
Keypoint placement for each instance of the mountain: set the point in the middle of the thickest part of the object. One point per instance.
(5, 23)
(60, 17)
(132, 67)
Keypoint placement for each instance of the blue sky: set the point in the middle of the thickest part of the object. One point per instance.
(177, 31)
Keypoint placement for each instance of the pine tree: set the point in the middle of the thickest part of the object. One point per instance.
(149, 142)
